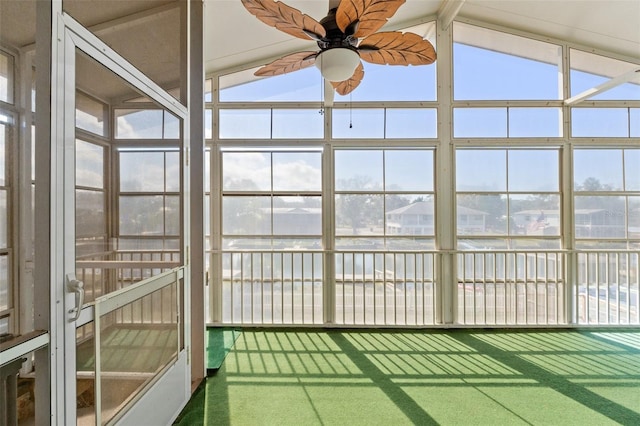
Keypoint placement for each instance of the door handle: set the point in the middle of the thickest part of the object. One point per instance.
(75, 286)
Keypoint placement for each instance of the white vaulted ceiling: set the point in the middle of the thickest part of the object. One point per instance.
(235, 38)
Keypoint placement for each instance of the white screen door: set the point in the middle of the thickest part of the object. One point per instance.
(120, 222)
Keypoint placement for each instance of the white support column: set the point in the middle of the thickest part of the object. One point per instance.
(328, 229)
(445, 184)
(196, 142)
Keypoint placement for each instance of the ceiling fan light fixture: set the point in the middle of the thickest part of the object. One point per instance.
(337, 64)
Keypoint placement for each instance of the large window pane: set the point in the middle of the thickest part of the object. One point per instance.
(142, 215)
(358, 123)
(493, 65)
(358, 170)
(246, 215)
(589, 70)
(139, 124)
(534, 215)
(297, 171)
(409, 123)
(408, 170)
(245, 123)
(246, 171)
(297, 124)
(6, 78)
(299, 86)
(90, 213)
(142, 171)
(297, 216)
(481, 170)
(91, 115)
(600, 217)
(359, 214)
(600, 122)
(533, 170)
(409, 214)
(481, 214)
(480, 122)
(89, 165)
(632, 169)
(535, 122)
(598, 170)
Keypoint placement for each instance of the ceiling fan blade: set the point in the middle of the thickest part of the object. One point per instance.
(289, 63)
(285, 18)
(347, 86)
(395, 48)
(370, 15)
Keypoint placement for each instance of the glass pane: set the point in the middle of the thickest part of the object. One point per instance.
(533, 170)
(4, 217)
(358, 123)
(246, 215)
(481, 214)
(478, 170)
(208, 90)
(408, 170)
(86, 377)
(535, 122)
(589, 70)
(600, 122)
(171, 128)
(208, 124)
(141, 171)
(142, 215)
(243, 86)
(246, 171)
(172, 215)
(600, 217)
(493, 65)
(297, 171)
(91, 115)
(634, 218)
(408, 123)
(5, 136)
(480, 122)
(632, 169)
(245, 123)
(297, 216)
(5, 291)
(137, 340)
(6, 78)
(358, 170)
(90, 213)
(413, 83)
(534, 214)
(634, 118)
(172, 171)
(89, 164)
(139, 124)
(409, 214)
(597, 169)
(150, 34)
(298, 124)
(359, 214)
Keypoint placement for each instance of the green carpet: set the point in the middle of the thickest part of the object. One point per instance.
(219, 343)
(396, 377)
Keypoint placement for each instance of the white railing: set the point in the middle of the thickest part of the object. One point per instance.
(607, 287)
(385, 288)
(403, 288)
(272, 287)
(511, 288)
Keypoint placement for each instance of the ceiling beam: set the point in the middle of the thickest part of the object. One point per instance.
(448, 11)
(607, 85)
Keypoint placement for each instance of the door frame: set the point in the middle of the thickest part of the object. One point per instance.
(152, 405)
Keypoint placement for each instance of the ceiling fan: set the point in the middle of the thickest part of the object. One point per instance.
(345, 36)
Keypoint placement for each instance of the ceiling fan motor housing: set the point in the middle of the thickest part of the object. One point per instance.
(335, 37)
